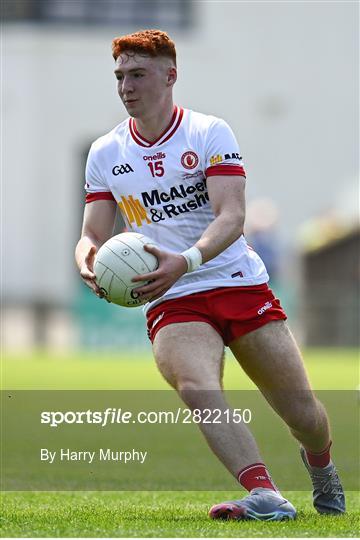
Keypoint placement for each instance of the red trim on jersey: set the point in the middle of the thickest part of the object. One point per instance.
(133, 134)
(181, 114)
(100, 195)
(161, 135)
(225, 170)
(167, 133)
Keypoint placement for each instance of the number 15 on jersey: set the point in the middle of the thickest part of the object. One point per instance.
(156, 168)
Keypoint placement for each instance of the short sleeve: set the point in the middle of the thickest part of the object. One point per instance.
(222, 152)
(95, 184)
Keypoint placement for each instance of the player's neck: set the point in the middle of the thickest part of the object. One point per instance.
(152, 126)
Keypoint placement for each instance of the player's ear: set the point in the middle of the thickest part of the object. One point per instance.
(171, 76)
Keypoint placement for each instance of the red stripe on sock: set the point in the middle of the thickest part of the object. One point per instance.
(255, 476)
(319, 459)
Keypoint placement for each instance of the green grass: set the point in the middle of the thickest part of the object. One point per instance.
(329, 369)
(161, 514)
(156, 514)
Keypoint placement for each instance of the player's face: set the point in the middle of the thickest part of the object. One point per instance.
(144, 83)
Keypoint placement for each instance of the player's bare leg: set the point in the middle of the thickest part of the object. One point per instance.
(271, 358)
(190, 357)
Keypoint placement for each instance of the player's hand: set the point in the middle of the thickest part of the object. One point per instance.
(87, 272)
(171, 267)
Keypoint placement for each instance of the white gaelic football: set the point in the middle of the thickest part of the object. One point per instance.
(120, 259)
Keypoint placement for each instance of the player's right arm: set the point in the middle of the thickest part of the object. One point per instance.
(98, 226)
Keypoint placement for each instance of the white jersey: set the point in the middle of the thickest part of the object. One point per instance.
(160, 188)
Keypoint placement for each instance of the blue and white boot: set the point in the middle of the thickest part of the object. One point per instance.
(328, 493)
(261, 505)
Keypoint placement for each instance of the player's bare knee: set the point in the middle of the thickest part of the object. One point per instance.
(199, 393)
(166, 370)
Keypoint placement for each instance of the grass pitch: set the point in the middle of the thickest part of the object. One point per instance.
(329, 369)
(157, 514)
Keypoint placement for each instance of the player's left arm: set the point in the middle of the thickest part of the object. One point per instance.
(227, 198)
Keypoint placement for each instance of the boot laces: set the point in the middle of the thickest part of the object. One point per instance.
(327, 484)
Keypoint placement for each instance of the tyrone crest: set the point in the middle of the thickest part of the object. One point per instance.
(189, 160)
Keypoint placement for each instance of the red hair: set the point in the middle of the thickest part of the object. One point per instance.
(147, 42)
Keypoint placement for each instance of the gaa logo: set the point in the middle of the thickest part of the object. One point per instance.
(189, 160)
(121, 169)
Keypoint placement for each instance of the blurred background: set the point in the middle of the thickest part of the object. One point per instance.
(284, 75)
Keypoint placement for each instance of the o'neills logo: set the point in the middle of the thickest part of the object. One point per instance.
(159, 155)
(266, 306)
(189, 160)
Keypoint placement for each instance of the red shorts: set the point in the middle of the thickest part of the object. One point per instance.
(231, 311)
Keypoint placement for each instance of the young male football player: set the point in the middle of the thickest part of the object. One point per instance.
(178, 177)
